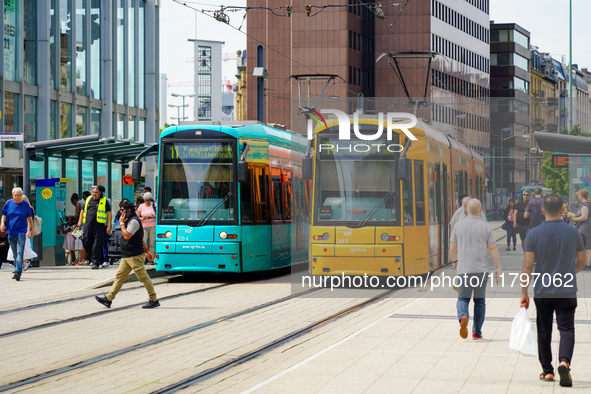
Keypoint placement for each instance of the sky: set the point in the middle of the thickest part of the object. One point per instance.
(546, 20)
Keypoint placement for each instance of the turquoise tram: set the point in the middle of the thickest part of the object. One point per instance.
(230, 199)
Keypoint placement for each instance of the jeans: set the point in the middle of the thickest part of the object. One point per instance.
(465, 290)
(511, 234)
(17, 244)
(565, 320)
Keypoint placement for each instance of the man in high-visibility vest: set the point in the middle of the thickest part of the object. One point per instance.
(97, 216)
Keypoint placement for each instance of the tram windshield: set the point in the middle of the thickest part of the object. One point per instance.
(196, 178)
(356, 182)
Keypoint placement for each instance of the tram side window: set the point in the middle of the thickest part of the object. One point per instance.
(287, 200)
(260, 193)
(278, 211)
(419, 192)
(246, 198)
(407, 203)
(457, 185)
(431, 186)
(471, 193)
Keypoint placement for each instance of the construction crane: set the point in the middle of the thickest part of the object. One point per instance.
(225, 58)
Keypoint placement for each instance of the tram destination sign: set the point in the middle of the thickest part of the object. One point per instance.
(560, 161)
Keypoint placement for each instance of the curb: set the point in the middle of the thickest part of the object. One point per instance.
(152, 273)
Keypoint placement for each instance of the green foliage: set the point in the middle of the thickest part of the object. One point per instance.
(165, 126)
(557, 179)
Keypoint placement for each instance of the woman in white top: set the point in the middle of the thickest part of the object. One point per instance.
(147, 215)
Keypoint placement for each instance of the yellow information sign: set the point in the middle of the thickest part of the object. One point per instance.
(46, 193)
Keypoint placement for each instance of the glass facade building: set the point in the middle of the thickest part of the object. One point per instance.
(74, 68)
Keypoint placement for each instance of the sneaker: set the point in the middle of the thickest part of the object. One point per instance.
(103, 300)
(476, 337)
(95, 267)
(514, 248)
(11, 265)
(27, 266)
(151, 304)
(105, 265)
(565, 378)
(82, 262)
(464, 327)
(17, 277)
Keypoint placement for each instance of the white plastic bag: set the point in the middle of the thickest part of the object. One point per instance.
(523, 334)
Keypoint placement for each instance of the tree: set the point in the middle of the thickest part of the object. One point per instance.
(557, 179)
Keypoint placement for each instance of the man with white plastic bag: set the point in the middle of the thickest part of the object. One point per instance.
(553, 247)
(523, 334)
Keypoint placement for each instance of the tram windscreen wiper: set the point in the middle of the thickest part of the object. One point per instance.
(218, 206)
(372, 212)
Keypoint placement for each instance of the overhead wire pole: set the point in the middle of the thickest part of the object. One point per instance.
(570, 66)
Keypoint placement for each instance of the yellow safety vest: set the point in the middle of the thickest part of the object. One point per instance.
(101, 212)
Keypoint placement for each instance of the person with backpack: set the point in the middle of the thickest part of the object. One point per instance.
(533, 210)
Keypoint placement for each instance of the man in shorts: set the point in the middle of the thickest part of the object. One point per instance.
(520, 223)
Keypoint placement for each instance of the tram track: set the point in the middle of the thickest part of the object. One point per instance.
(201, 376)
(155, 341)
(105, 311)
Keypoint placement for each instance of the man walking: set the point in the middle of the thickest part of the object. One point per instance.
(471, 242)
(133, 251)
(17, 222)
(520, 223)
(553, 247)
(533, 210)
(97, 217)
(462, 213)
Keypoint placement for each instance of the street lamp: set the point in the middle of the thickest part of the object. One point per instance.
(183, 96)
(178, 107)
(462, 116)
(179, 119)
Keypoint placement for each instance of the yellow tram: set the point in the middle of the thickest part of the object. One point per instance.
(382, 207)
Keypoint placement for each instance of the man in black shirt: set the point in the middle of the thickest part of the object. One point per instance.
(520, 223)
(133, 251)
(533, 211)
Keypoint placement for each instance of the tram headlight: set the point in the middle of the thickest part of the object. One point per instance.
(223, 235)
(385, 237)
(326, 236)
(167, 234)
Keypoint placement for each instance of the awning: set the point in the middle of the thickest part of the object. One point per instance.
(562, 143)
(89, 147)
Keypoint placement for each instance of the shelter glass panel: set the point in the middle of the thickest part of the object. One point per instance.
(55, 167)
(101, 176)
(87, 175)
(72, 173)
(116, 191)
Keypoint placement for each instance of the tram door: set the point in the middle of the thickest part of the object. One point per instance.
(438, 204)
(444, 197)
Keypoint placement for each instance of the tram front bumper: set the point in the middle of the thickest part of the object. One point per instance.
(198, 257)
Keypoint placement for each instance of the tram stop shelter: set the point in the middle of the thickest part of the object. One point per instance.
(578, 163)
(54, 170)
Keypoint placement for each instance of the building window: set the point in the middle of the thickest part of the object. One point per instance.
(120, 126)
(81, 47)
(95, 49)
(120, 39)
(52, 119)
(53, 43)
(141, 60)
(81, 120)
(65, 57)
(141, 134)
(204, 81)
(204, 110)
(65, 120)
(30, 49)
(9, 115)
(131, 55)
(95, 121)
(131, 128)
(30, 126)
(204, 58)
(10, 39)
